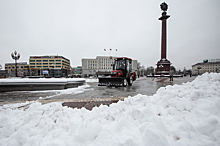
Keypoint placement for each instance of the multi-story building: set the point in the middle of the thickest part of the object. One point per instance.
(3, 74)
(56, 66)
(77, 70)
(212, 65)
(22, 69)
(101, 65)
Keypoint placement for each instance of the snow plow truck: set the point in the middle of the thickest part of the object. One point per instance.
(121, 75)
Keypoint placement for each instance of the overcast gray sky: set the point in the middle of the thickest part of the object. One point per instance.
(79, 29)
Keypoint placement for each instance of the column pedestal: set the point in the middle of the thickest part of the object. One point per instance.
(163, 67)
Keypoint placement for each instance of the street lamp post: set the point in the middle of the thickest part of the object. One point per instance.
(15, 56)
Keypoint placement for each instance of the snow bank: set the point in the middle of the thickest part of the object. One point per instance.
(187, 114)
(91, 80)
(27, 80)
(72, 91)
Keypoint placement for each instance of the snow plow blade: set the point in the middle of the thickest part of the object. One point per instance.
(114, 81)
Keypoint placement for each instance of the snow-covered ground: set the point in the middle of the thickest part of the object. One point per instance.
(90, 80)
(39, 80)
(187, 114)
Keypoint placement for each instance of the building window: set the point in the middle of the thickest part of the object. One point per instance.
(45, 63)
(31, 66)
(38, 66)
(45, 66)
(38, 60)
(32, 60)
(59, 66)
(58, 60)
(45, 60)
(58, 63)
(38, 63)
(51, 60)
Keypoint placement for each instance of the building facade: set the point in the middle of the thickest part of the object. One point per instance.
(77, 70)
(212, 65)
(55, 66)
(3, 74)
(101, 65)
(22, 69)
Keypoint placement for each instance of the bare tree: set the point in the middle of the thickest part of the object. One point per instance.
(173, 68)
(150, 70)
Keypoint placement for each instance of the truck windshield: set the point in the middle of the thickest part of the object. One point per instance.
(120, 64)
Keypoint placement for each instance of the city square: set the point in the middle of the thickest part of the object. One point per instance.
(109, 73)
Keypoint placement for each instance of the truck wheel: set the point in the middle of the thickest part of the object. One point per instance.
(124, 83)
(130, 81)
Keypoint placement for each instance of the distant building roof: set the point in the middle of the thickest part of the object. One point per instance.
(35, 57)
(202, 63)
(78, 67)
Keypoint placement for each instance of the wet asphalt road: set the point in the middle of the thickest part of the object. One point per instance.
(146, 86)
(143, 86)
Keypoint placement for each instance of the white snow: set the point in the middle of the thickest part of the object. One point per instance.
(178, 115)
(71, 91)
(27, 80)
(91, 80)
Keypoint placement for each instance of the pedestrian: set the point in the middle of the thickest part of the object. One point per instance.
(171, 75)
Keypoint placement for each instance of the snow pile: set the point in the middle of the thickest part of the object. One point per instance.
(72, 91)
(39, 80)
(91, 80)
(187, 114)
(77, 90)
